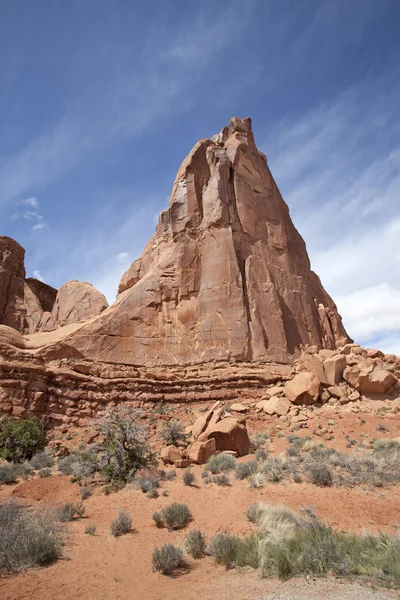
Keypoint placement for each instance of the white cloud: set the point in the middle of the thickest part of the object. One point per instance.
(33, 202)
(341, 178)
(38, 275)
(122, 257)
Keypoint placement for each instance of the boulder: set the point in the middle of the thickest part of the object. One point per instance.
(367, 378)
(77, 301)
(275, 390)
(170, 454)
(230, 434)
(333, 368)
(237, 407)
(276, 406)
(200, 452)
(11, 337)
(303, 389)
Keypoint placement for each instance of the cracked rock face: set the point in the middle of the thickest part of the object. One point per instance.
(226, 275)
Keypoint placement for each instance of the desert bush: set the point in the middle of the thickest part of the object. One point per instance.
(224, 548)
(8, 474)
(85, 492)
(171, 475)
(172, 432)
(173, 516)
(222, 479)
(256, 481)
(220, 463)
(44, 473)
(254, 512)
(90, 529)
(246, 469)
(320, 474)
(79, 509)
(68, 465)
(276, 474)
(20, 440)
(66, 512)
(167, 559)
(195, 544)
(188, 477)
(382, 428)
(257, 441)
(28, 538)
(152, 493)
(158, 519)
(314, 548)
(147, 484)
(261, 455)
(41, 460)
(121, 525)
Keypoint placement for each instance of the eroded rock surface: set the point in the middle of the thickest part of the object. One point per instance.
(226, 275)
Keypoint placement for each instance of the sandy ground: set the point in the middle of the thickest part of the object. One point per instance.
(101, 567)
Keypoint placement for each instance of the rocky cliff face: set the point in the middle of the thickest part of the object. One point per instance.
(226, 275)
(31, 306)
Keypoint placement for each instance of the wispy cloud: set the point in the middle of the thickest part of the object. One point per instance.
(31, 214)
(339, 169)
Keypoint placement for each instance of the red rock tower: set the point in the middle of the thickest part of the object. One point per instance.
(226, 275)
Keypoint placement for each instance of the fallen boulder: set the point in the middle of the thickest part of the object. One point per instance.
(200, 452)
(276, 406)
(368, 378)
(303, 389)
(230, 434)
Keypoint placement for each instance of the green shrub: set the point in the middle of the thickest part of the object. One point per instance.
(41, 460)
(90, 529)
(121, 525)
(167, 559)
(220, 463)
(221, 480)
(320, 474)
(85, 492)
(66, 512)
(224, 548)
(20, 440)
(68, 465)
(175, 516)
(172, 432)
(188, 477)
(148, 484)
(195, 544)
(44, 473)
(8, 474)
(28, 537)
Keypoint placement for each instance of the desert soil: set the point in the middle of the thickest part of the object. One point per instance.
(101, 567)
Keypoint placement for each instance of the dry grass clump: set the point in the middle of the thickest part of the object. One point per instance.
(288, 545)
(28, 537)
(167, 559)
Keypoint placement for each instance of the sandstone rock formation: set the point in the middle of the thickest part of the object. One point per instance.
(226, 275)
(76, 301)
(22, 301)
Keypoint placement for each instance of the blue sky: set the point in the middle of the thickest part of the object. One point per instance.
(101, 100)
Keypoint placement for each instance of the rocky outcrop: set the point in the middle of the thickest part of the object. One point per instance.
(76, 301)
(39, 299)
(12, 278)
(226, 275)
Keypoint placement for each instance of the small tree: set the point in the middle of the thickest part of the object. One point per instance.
(123, 449)
(173, 433)
(20, 440)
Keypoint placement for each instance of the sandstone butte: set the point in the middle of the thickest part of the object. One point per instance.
(226, 275)
(221, 304)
